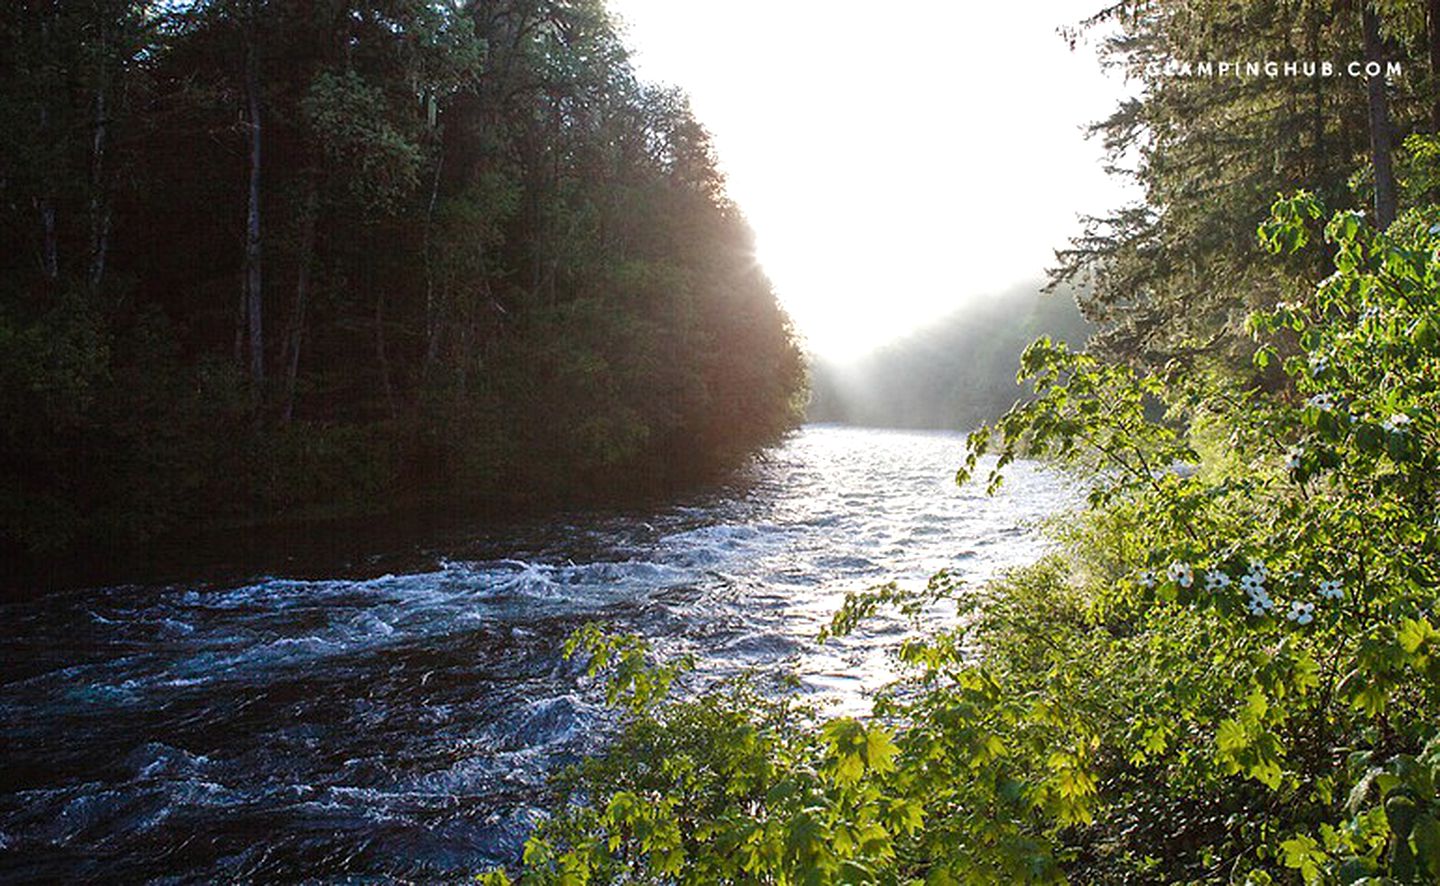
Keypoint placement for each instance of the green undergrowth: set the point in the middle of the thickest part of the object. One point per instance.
(1228, 671)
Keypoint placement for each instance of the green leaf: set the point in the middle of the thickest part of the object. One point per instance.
(1302, 853)
(1414, 633)
(880, 750)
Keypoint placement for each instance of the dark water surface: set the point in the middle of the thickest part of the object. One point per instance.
(401, 726)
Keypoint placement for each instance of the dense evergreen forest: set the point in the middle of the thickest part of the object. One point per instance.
(265, 258)
(953, 374)
(1173, 275)
(1227, 669)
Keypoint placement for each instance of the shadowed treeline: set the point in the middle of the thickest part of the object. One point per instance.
(263, 258)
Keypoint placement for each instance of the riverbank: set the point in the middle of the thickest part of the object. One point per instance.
(344, 535)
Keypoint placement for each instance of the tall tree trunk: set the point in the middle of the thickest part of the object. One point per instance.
(432, 309)
(382, 352)
(253, 278)
(296, 331)
(1317, 95)
(1381, 134)
(1433, 23)
(99, 204)
(49, 239)
(381, 355)
(50, 246)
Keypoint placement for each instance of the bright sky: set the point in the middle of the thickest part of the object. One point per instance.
(894, 159)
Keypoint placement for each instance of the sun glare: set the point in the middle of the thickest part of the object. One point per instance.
(881, 160)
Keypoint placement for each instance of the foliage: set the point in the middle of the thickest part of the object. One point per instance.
(494, 265)
(1224, 675)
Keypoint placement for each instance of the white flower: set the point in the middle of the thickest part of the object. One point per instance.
(1332, 589)
(1259, 604)
(1258, 570)
(1318, 365)
(1301, 613)
(1146, 579)
(1182, 574)
(1252, 584)
(1216, 580)
(1398, 423)
(1292, 460)
(1322, 401)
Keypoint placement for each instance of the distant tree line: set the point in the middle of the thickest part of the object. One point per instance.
(954, 374)
(263, 257)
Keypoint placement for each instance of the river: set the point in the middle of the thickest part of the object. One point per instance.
(374, 727)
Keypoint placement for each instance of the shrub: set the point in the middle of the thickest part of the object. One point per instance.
(1225, 675)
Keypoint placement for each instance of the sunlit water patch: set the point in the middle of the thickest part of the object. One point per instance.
(402, 725)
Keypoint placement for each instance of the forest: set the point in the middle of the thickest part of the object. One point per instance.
(267, 260)
(1226, 669)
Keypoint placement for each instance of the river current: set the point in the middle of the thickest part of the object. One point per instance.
(370, 728)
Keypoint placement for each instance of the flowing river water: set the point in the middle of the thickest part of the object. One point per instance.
(370, 728)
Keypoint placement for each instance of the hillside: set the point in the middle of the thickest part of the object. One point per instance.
(953, 374)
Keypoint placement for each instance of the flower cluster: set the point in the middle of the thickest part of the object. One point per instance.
(1259, 602)
(1253, 583)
